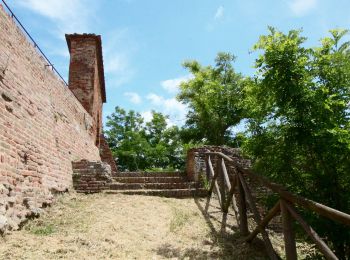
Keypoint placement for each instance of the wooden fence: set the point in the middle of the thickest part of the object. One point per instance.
(286, 205)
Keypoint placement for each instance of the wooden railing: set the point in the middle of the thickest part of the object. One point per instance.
(235, 183)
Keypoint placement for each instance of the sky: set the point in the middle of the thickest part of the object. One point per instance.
(145, 41)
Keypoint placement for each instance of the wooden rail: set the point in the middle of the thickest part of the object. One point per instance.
(285, 206)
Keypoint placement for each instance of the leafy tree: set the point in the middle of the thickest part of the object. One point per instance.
(126, 137)
(214, 98)
(143, 146)
(299, 122)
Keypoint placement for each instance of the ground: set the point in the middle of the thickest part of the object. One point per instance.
(103, 226)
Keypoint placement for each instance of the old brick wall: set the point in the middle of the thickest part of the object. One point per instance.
(43, 128)
(195, 161)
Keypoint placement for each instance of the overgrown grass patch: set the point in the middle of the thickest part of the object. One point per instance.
(45, 230)
(180, 219)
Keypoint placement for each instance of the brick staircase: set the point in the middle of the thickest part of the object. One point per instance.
(166, 184)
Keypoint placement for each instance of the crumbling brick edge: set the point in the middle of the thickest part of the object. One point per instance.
(91, 176)
(16, 216)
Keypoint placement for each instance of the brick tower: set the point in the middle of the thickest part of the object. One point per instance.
(86, 76)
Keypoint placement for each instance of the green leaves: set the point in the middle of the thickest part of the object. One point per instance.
(214, 97)
(143, 146)
(298, 108)
(298, 111)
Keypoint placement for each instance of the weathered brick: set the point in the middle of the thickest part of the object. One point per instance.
(44, 125)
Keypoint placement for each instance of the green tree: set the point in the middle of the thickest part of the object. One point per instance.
(158, 138)
(144, 146)
(126, 137)
(299, 122)
(214, 97)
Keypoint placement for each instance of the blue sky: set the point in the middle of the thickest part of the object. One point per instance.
(145, 41)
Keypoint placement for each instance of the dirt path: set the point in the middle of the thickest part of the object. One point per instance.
(127, 227)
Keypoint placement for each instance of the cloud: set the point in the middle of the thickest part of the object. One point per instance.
(118, 49)
(133, 97)
(147, 116)
(169, 106)
(69, 15)
(219, 14)
(155, 99)
(172, 85)
(217, 18)
(302, 7)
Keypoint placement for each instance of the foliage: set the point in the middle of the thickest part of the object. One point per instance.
(299, 134)
(143, 146)
(297, 107)
(214, 98)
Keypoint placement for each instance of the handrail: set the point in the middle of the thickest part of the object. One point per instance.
(283, 206)
(35, 44)
(306, 203)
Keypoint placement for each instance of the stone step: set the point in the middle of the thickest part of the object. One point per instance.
(169, 179)
(155, 186)
(171, 193)
(149, 174)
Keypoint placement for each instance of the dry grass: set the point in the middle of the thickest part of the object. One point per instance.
(128, 227)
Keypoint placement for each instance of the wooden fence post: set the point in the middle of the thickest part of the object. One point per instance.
(221, 181)
(243, 225)
(288, 233)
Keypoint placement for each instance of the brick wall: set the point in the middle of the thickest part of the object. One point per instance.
(195, 161)
(43, 128)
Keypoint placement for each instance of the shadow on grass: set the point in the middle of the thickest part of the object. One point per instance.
(218, 245)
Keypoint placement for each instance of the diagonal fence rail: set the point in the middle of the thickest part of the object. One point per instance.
(218, 167)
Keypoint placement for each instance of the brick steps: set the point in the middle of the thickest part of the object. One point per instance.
(149, 179)
(156, 186)
(170, 193)
(165, 184)
(149, 174)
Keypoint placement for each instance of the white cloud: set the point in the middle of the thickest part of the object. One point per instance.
(147, 116)
(219, 14)
(172, 85)
(117, 51)
(133, 97)
(217, 18)
(302, 7)
(70, 16)
(169, 106)
(155, 99)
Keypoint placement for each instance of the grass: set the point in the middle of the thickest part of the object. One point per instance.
(179, 220)
(43, 231)
(205, 182)
(101, 226)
